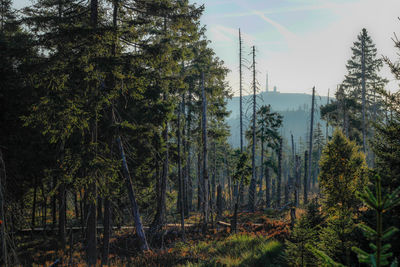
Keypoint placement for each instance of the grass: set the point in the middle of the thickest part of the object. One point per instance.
(258, 243)
(235, 250)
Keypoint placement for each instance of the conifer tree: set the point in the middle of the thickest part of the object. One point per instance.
(358, 94)
(343, 172)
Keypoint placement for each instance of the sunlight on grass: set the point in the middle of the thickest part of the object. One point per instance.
(237, 250)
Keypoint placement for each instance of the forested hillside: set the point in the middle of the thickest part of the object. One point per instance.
(121, 145)
(295, 109)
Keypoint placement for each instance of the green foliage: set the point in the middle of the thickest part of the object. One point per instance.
(343, 172)
(242, 167)
(325, 260)
(346, 110)
(239, 250)
(337, 238)
(380, 252)
(303, 236)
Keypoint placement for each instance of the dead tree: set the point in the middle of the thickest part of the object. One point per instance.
(205, 172)
(181, 183)
(305, 176)
(279, 173)
(252, 189)
(3, 239)
(310, 145)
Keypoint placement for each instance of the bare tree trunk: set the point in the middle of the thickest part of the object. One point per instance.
(34, 204)
(297, 183)
(92, 220)
(252, 189)
(159, 219)
(205, 172)
(279, 174)
(44, 196)
(132, 198)
(107, 231)
(260, 193)
(199, 182)
(305, 176)
(76, 207)
(219, 202)
(62, 214)
(310, 145)
(3, 239)
(327, 122)
(189, 153)
(181, 183)
(99, 208)
(236, 186)
(213, 177)
(92, 227)
(229, 179)
(54, 205)
(267, 188)
(241, 92)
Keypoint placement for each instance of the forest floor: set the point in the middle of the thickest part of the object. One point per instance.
(258, 240)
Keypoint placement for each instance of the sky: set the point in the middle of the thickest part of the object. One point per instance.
(300, 43)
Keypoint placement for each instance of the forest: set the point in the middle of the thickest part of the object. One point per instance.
(114, 147)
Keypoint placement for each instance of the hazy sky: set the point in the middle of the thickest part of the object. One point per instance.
(301, 43)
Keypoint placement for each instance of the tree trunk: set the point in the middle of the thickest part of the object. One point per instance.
(364, 130)
(62, 214)
(252, 189)
(76, 207)
(189, 153)
(99, 208)
(107, 231)
(44, 196)
(279, 174)
(92, 190)
(262, 163)
(219, 202)
(305, 176)
(310, 145)
(297, 183)
(3, 239)
(199, 182)
(159, 219)
(241, 92)
(92, 227)
(54, 205)
(34, 204)
(267, 188)
(205, 172)
(180, 178)
(213, 177)
(132, 198)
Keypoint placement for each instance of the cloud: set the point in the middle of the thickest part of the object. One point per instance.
(281, 10)
(223, 34)
(318, 56)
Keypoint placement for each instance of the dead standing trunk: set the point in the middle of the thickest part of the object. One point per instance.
(305, 176)
(3, 242)
(107, 231)
(279, 174)
(132, 198)
(205, 173)
(310, 145)
(181, 182)
(252, 189)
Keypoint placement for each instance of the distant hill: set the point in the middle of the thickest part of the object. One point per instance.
(294, 107)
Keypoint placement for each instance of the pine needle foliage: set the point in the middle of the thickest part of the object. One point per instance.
(380, 252)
